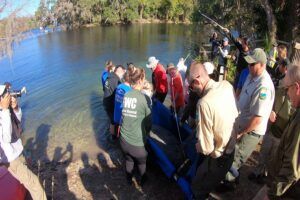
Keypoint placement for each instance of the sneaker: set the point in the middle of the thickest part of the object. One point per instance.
(252, 176)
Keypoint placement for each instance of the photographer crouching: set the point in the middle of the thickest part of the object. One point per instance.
(11, 147)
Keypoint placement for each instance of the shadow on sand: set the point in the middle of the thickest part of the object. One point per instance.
(51, 172)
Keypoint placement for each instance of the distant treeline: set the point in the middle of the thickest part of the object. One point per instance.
(276, 19)
(72, 13)
(270, 19)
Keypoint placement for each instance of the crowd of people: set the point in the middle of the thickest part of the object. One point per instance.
(229, 119)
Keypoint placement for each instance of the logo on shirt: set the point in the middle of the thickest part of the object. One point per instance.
(130, 102)
(263, 93)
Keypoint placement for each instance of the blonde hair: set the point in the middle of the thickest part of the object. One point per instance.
(282, 51)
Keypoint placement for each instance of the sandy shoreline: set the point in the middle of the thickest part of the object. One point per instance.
(96, 178)
(97, 172)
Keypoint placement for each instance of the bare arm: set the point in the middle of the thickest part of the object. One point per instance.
(252, 125)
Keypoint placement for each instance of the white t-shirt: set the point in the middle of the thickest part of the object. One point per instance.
(8, 151)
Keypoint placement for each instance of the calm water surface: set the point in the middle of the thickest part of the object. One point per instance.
(62, 73)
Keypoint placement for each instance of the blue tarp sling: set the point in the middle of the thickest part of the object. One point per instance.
(163, 117)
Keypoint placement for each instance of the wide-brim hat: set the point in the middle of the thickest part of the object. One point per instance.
(257, 55)
(2, 89)
(209, 67)
(152, 62)
(171, 66)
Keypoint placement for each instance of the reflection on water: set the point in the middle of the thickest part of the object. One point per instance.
(62, 74)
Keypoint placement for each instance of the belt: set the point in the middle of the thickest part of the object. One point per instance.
(254, 134)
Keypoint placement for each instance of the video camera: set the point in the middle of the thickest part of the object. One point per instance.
(17, 93)
(219, 43)
(14, 93)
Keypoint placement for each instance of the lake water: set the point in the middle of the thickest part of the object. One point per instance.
(62, 73)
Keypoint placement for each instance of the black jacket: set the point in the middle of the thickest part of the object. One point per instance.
(111, 83)
(241, 62)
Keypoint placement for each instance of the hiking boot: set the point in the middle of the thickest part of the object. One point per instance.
(143, 180)
(252, 176)
(129, 178)
(259, 179)
(226, 186)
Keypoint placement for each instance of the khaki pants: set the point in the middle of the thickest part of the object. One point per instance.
(26, 177)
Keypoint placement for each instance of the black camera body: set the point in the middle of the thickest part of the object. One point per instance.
(15, 93)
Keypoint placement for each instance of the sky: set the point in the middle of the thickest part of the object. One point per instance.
(28, 7)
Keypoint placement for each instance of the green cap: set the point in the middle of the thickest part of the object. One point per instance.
(257, 55)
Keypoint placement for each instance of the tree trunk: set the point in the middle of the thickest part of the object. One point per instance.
(141, 11)
(272, 24)
(293, 31)
(240, 21)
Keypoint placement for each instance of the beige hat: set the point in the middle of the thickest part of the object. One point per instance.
(257, 55)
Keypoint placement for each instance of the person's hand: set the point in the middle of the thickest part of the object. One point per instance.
(226, 30)
(272, 117)
(14, 103)
(5, 101)
(198, 147)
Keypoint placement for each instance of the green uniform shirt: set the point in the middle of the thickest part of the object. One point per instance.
(283, 110)
(136, 116)
(285, 167)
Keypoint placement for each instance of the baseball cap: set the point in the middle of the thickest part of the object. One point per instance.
(225, 39)
(257, 55)
(2, 89)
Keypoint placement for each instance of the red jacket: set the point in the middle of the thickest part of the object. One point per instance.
(159, 79)
(176, 87)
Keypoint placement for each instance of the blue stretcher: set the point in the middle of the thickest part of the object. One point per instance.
(163, 117)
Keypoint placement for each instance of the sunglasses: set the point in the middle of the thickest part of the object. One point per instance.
(288, 87)
(252, 64)
(191, 84)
